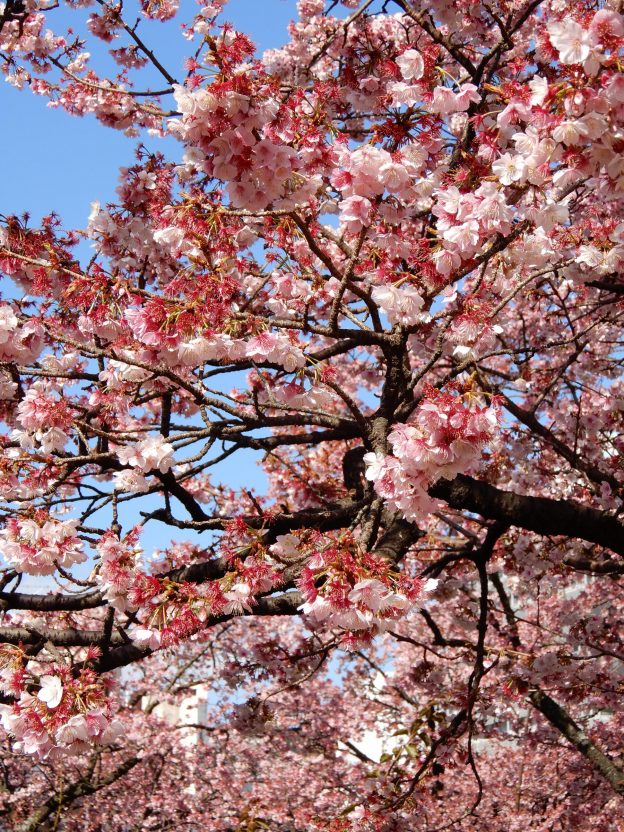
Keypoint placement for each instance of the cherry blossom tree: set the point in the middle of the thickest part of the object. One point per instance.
(386, 266)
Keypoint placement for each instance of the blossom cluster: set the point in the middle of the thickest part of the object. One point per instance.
(56, 710)
(444, 438)
(233, 137)
(119, 563)
(352, 590)
(44, 418)
(153, 453)
(36, 545)
(20, 341)
(401, 304)
(170, 610)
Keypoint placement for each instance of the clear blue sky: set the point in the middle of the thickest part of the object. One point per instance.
(54, 161)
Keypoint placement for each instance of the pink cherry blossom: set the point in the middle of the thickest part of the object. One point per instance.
(411, 65)
(151, 453)
(51, 691)
(571, 41)
(311, 464)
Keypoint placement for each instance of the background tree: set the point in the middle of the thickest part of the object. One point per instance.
(388, 261)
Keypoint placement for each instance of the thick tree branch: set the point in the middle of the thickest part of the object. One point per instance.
(537, 514)
(555, 714)
(65, 637)
(564, 723)
(50, 603)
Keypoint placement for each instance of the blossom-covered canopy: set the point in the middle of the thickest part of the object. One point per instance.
(385, 265)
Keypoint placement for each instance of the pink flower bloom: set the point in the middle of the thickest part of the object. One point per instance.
(446, 261)
(448, 201)
(539, 89)
(276, 348)
(549, 216)
(401, 305)
(394, 176)
(515, 111)
(411, 65)
(369, 592)
(356, 212)
(8, 323)
(375, 466)
(148, 454)
(51, 691)
(607, 21)
(468, 94)
(37, 742)
(351, 618)
(570, 132)
(35, 549)
(238, 598)
(464, 237)
(446, 101)
(75, 729)
(170, 238)
(509, 169)
(145, 637)
(317, 611)
(286, 547)
(403, 94)
(570, 39)
(131, 480)
(376, 595)
(119, 562)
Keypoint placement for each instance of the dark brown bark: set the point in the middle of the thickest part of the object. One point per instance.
(564, 723)
(537, 514)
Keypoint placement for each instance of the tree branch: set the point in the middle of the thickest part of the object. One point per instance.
(537, 514)
(76, 790)
(564, 723)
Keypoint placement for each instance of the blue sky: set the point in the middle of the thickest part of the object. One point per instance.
(56, 162)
